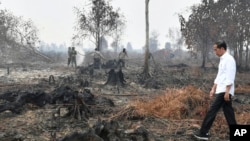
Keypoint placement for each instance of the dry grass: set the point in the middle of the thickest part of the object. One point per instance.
(174, 104)
(186, 106)
(244, 89)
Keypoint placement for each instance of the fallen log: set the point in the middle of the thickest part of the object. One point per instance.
(37, 98)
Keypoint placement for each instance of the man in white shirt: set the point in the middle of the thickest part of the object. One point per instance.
(223, 90)
(97, 56)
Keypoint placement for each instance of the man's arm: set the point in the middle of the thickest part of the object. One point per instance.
(230, 76)
(212, 92)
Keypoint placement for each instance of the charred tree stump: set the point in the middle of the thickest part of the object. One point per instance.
(51, 79)
(76, 100)
(80, 109)
(8, 70)
(115, 78)
(64, 95)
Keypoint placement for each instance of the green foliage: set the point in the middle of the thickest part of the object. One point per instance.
(210, 21)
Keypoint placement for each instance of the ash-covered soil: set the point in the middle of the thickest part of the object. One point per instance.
(50, 103)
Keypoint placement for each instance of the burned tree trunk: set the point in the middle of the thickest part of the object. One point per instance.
(80, 109)
(115, 78)
(77, 102)
(146, 61)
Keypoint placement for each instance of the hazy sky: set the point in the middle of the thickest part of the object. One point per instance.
(55, 18)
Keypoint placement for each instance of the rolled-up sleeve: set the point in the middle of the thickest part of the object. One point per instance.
(230, 72)
(216, 79)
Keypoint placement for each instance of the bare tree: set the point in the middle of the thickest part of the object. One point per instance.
(17, 35)
(145, 72)
(119, 28)
(100, 21)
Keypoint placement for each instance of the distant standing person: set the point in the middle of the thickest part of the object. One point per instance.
(223, 89)
(122, 56)
(73, 56)
(69, 55)
(97, 56)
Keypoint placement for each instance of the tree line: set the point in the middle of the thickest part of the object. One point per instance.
(211, 20)
(16, 35)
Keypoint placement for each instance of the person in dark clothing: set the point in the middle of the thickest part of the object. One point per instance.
(69, 55)
(73, 56)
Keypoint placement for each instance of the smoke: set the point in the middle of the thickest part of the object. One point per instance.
(80, 56)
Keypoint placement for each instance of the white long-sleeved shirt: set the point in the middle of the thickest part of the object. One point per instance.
(97, 54)
(226, 74)
(122, 55)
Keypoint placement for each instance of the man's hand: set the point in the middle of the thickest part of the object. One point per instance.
(211, 94)
(226, 96)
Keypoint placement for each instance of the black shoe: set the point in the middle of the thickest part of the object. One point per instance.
(200, 136)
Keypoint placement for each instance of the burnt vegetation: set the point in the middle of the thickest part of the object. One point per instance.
(158, 95)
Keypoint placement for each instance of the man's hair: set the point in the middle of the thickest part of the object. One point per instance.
(221, 44)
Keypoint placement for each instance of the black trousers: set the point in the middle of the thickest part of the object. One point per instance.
(73, 61)
(214, 108)
(69, 60)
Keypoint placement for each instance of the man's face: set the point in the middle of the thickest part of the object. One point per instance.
(218, 51)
